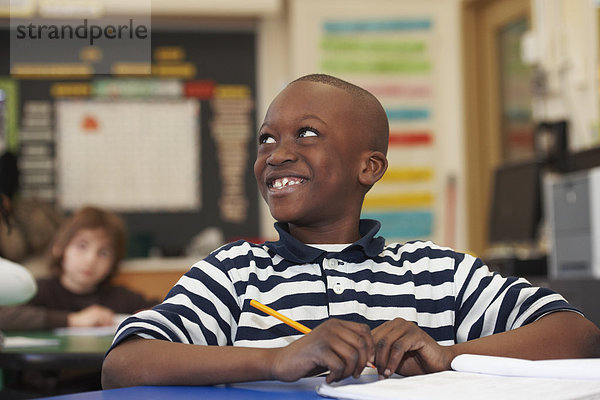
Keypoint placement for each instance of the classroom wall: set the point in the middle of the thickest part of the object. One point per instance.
(200, 37)
(423, 191)
(565, 48)
(287, 40)
(287, 46)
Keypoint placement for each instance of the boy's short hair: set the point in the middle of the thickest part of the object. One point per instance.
(377, 117)
(89, 217)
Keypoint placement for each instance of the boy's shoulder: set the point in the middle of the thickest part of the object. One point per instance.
(417, 246)
(238, 258)
(235, 251)
(424, 250)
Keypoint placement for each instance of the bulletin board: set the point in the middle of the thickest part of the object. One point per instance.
(171, 152)
(395, 50)
(124, 145)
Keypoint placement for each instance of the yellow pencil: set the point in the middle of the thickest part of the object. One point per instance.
(296, 325)
(268, 310)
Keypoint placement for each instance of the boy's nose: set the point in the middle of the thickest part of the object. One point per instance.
(284, 152)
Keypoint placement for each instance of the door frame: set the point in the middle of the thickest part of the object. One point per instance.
(481, 20)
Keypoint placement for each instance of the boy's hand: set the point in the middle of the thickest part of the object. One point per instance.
(342, 347)
(402, 347)
(93, 315)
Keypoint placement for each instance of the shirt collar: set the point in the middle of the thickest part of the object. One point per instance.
(294, 250)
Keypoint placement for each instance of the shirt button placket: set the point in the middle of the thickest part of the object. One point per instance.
(338, 288)
(332, 263)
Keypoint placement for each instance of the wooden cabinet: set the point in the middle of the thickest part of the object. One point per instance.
(153, 277)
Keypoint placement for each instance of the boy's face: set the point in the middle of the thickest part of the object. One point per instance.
(309, 154)
(87, 260)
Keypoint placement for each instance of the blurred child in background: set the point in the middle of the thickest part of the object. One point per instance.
(84, 256)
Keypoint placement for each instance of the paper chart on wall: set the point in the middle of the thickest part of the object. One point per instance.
(389, 50)
(129, 155)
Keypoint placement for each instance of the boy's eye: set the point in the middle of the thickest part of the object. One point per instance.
(308, 132)
(266, 139)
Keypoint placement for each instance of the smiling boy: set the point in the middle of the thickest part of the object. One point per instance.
(331, 149)
(408, 308)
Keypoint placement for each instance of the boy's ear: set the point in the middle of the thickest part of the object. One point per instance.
(374, 166)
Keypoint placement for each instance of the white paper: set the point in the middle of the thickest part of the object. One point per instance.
(92, 330)
(586, 368)
(86, 331)
(13, 342)
(450, 385)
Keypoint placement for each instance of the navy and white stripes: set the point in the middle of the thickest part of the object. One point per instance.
(451, 296)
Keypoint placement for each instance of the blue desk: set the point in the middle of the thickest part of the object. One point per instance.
(303, 389)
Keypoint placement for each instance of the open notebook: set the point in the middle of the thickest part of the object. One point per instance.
(587, 368)
(484, 377)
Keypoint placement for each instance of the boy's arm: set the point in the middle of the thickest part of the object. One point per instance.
(342, 347)
(140, 361)
(562, 334)
(403, 347)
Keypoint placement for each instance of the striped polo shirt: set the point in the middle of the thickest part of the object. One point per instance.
(451, 296)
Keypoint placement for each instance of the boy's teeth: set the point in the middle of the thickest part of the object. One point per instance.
(283, 182)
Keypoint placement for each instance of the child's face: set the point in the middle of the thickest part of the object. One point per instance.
(87, 260)
(309, 153)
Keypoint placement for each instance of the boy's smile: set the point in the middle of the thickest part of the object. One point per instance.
(310, 149)
(282, 183)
